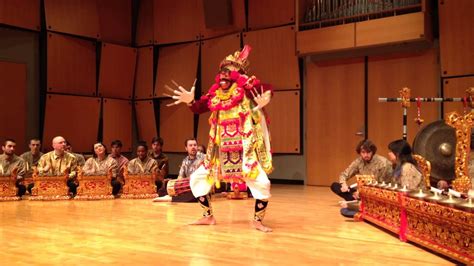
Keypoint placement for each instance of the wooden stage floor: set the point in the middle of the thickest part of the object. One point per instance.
(308, 229)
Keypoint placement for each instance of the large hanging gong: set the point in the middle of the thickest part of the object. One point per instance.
(436, 142)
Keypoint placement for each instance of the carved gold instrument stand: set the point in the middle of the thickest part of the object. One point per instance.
(49, 187)
(8, 189)
(94, 187)
(425, 168)
(141, 186)
(462, 125)
(441, 228)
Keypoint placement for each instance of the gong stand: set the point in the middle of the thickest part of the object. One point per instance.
(461, 123)
(405, 99)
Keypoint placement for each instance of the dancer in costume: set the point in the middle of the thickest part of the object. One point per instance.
(239, 141)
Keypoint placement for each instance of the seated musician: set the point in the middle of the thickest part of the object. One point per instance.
(101, 164)
(10, 164)
(188, 166)
(368, 163)
(122, 161)
(406, 172)
(60, 162)
(143, 164)
(31, 159)
(79, 157)
(161, 159)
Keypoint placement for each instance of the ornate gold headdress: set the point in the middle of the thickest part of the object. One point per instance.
(238, 60)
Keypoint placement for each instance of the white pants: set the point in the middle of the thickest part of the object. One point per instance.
(260, 187)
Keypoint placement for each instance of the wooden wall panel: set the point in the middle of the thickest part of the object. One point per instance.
(73, 117)
(13, 82)
(284, 114)
(23, 47)
(145, 23)
(144, 73)
(388, 75)
(270, 13)
(115, 21)
(334, 96)
(146, 122)
(213, 51)
(238, 18)
(273, 59)
(323, 40)
(71, 65)
(176, 21)
(176, 125)
(456, 87)
(203, 129)
(23, 14)
(178, 63)
(117, 122)
(382, 31)
(456, 37)
(78, 17)
(117, 71)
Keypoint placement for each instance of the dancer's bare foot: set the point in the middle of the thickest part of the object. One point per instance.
(259, 226)
(210, 220)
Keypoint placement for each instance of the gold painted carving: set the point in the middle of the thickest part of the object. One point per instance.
(141, 186)
(462, 125)
(405, 95)
(8, 189)
(441, 228)
(364, 179)
(50, 187)
(425, 167)
(94, 187)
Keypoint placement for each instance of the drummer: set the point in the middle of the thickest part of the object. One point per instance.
(188, 166)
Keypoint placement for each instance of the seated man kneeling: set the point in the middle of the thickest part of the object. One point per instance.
(368, 163)
(188, 166)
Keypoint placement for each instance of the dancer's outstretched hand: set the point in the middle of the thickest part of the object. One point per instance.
(262, 98)
(180, 95)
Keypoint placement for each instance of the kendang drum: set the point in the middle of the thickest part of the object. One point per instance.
(176, 187)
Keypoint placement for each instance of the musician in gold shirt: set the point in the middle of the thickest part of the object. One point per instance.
(60, 162)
